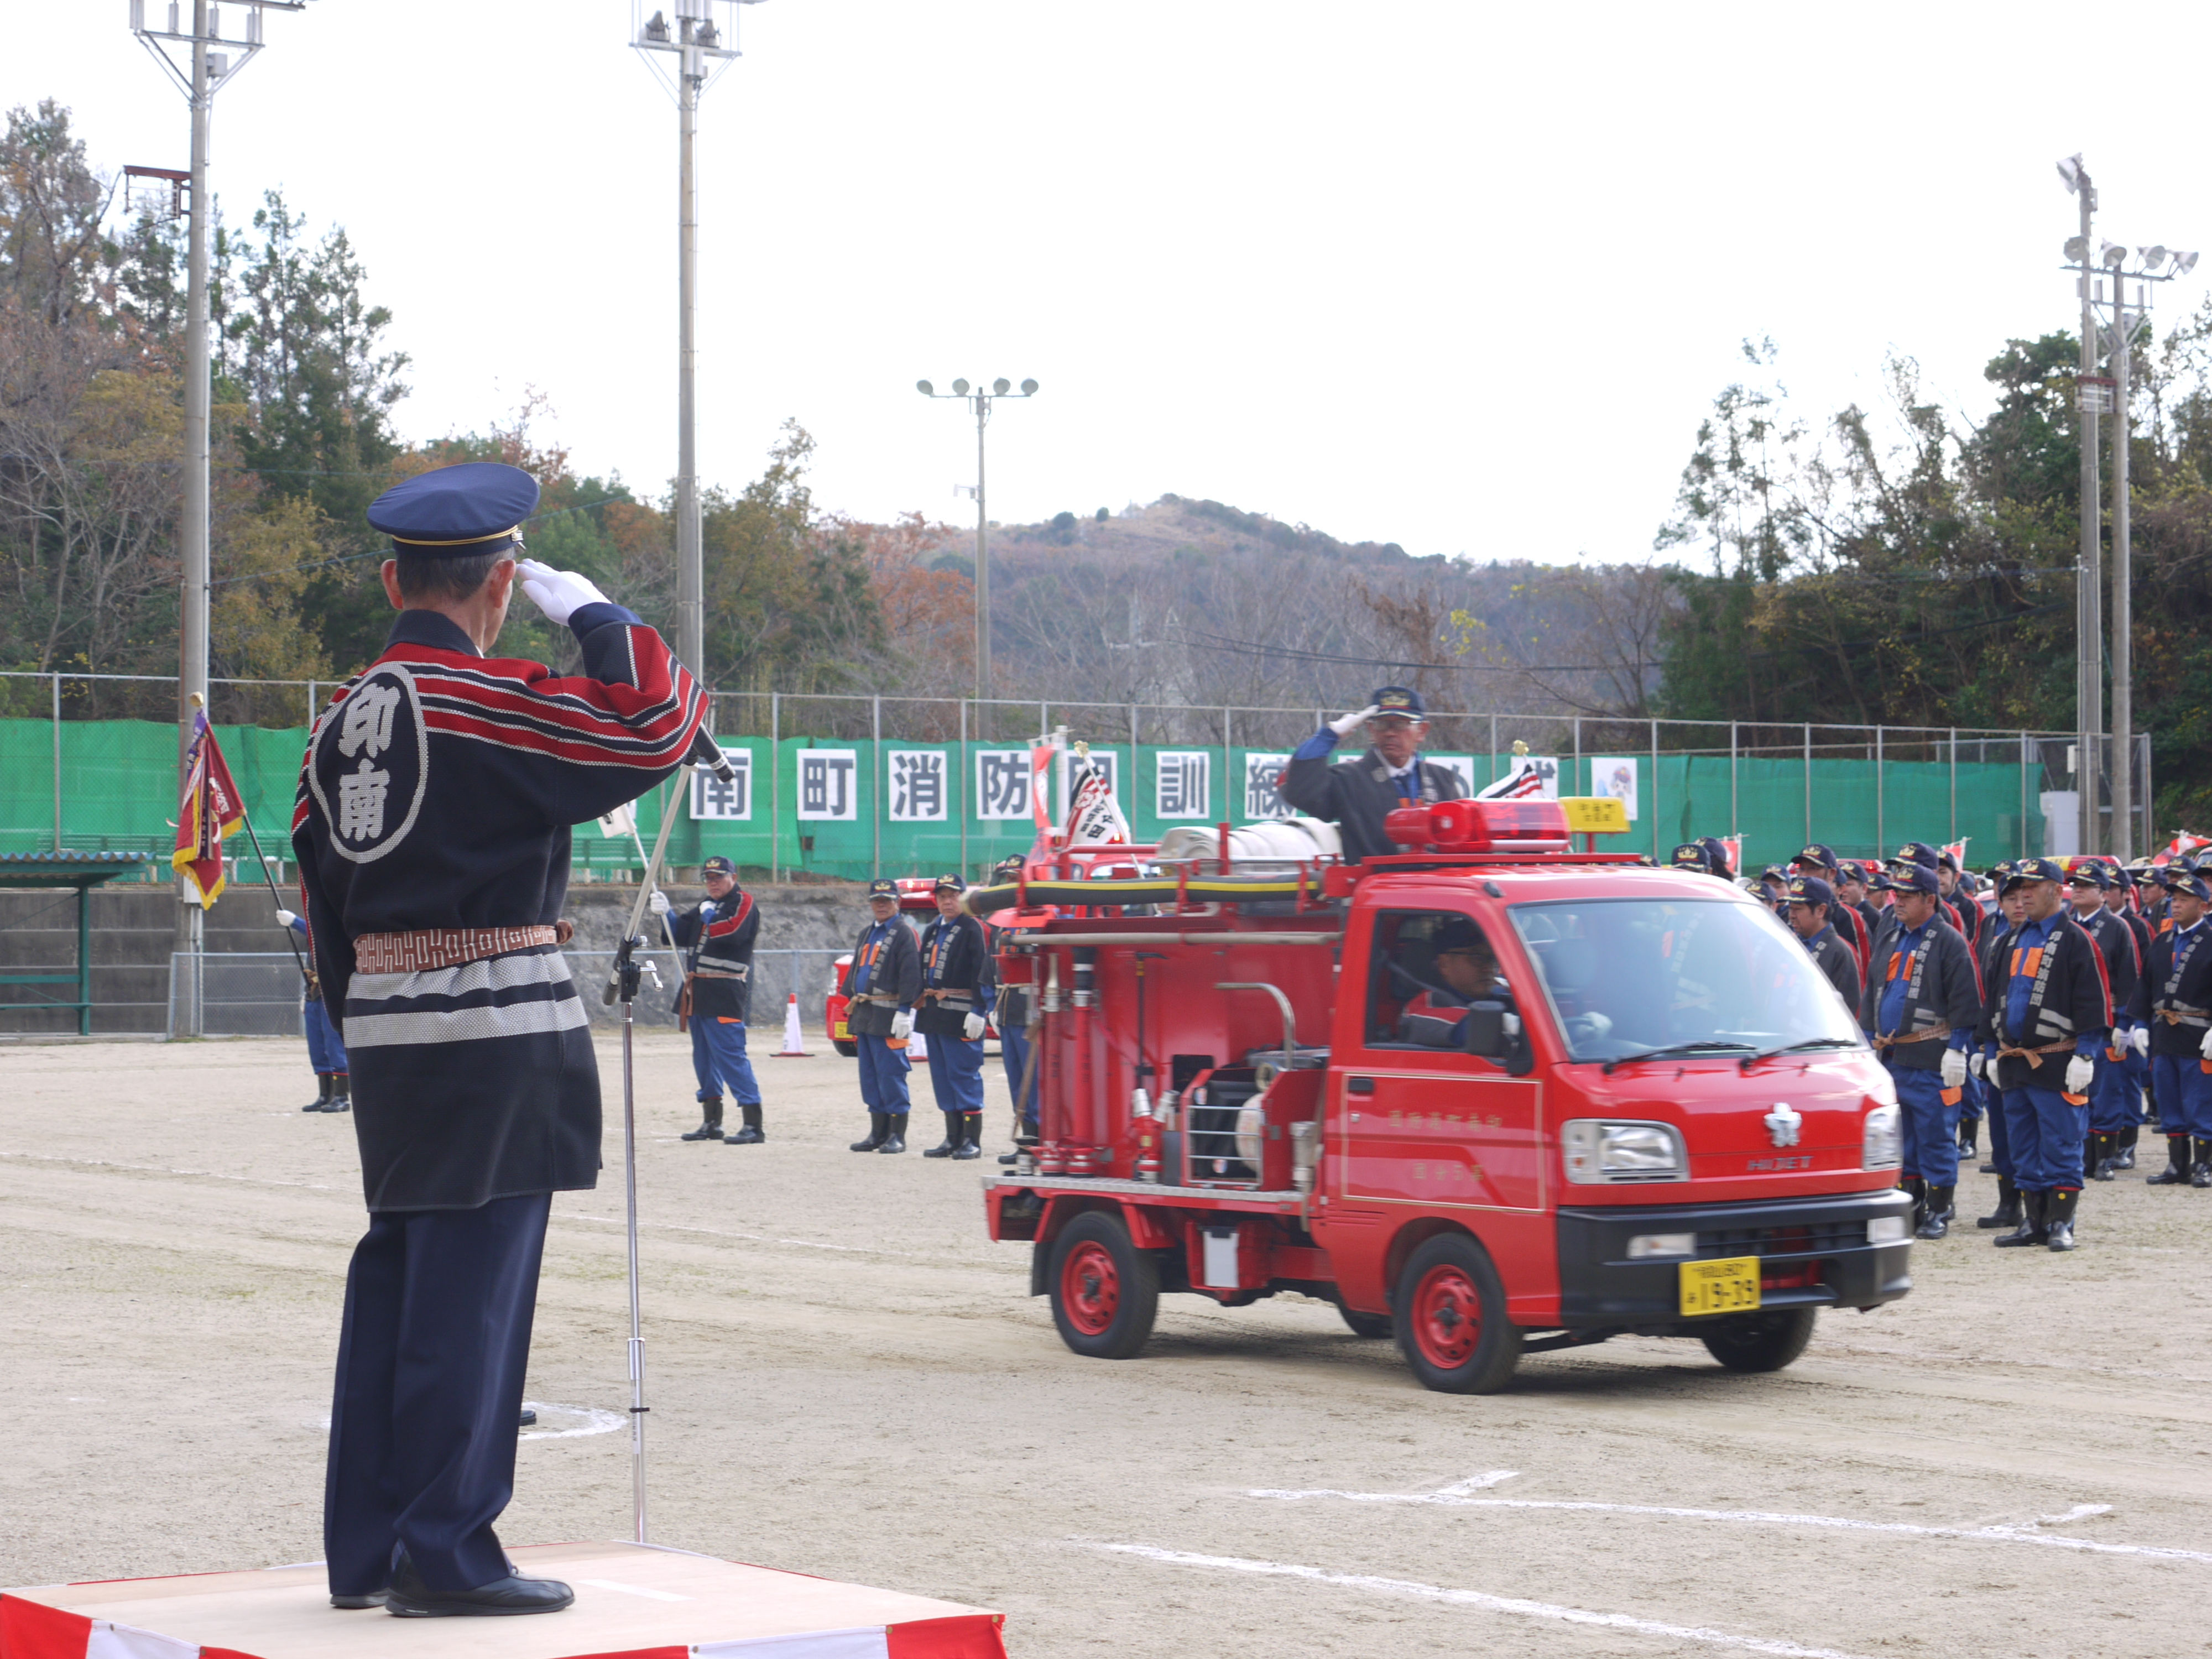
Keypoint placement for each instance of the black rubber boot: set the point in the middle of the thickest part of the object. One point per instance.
(2096, 1156)
(751, 1135)
(1969, 1132)
(321, 1102)
(2035, 1207)
(2200, 1172)
(2126, 1157)
(950, 1143)
(1919, 1188)
(2176, 1173)
(2062, 1206)
(710, 1124)
(341, 1093)
(878, 1125)
(1940, 1212)
(894, 1133)
(2007, 1211)
(972, 1135)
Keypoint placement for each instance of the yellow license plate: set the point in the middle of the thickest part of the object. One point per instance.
(1713, 1287)
(842, 1035)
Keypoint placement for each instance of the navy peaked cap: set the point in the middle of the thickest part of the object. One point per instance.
(477, 507)
(1398, 700)
(1810, 889)
(2089, 873)
(1913, 878)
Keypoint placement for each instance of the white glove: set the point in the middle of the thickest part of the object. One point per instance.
(1595, 1025)
(658, 903)
(2205, 1046)
(1978, 1064)
(902, 1025)
(2081, 1073)
(2141, 1037)
(1953, 1069)
(559, 594)
(1345, 724)
(286, 918)
(972, 1027)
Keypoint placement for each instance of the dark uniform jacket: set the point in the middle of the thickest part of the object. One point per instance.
(954, 958)
(2117, 945)
(438, 792)
(1838, 962)
(2142, 933)
(1355, 796)
(719, 936)
(1854, 936)
(2176, 980)
(1941, 994)
(1010, 1003)
(894, 977)
(2067, 1002)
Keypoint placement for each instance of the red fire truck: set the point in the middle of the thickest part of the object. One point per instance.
(1491, 1096)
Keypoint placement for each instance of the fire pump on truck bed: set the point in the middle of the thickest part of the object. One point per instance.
(1659, 1118)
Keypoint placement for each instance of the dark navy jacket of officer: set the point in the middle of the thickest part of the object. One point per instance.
(2173, 1002)
(957, 978)
(1357, 798)
(717, 937)
(432, 829)
(883, 983)
(1813, 908)
(2087, 883)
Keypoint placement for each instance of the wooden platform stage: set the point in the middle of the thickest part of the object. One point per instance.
(633, 1602)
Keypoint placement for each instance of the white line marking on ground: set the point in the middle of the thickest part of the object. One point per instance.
(750, 1238)
(1477, 1482)
(1995, 1533)
(634, 1589)
(1465, 1598)
(595, 1422)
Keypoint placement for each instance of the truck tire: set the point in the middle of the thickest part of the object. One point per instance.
(850, 1050)
(1366, 1324)
(1759, 1341)
(1450, 1318)
(1105, 1291)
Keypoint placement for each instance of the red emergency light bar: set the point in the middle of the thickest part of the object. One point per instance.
(1481, 826)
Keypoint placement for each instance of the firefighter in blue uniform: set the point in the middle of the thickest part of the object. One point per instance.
(2135, 1058)
(1921, 1006)
(720, 933)
(1812, 909)
(1991, 957)
(2174, 1002)
(432, 831)
(881, 986)
(2085, 887)
(1821, 861)
(956, 982)
(1358, 797)
(326, 1048)
(2046, 1013)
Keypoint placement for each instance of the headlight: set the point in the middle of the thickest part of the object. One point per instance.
(1644, 1244)
(1886, 1230)
(1885, 1147)
(1597, 1152)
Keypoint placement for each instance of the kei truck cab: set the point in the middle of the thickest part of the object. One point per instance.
(1491, 1096)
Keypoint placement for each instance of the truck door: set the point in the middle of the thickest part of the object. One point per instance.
(1422, 1120)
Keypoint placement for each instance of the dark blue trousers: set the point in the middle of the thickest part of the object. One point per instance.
(883, 1073)
(1014, 1055)
(718, 1056)
(431, 1358)
(1931, 1128)
(325, 1051)
(2184, 1095)
(2044, 1131)
(955, 1073)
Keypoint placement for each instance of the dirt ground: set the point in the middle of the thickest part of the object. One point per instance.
(849, 1378)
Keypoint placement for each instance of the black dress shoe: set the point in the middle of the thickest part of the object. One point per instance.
(529, 1418)
(412, 1598)
(354, 1603)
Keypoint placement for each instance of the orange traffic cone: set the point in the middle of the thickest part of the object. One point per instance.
(793, 1041)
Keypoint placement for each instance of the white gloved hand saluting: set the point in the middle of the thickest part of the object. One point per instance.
(286, 918)
(658, 903)
(1345, 724)
(1953, 1069)
(972, 1027)
(2081, 1073)
(902, 1025)
(559, 594)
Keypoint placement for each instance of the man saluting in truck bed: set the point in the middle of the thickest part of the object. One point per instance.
(1358, 797)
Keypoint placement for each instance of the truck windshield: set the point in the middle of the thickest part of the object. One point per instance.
(1627, 976)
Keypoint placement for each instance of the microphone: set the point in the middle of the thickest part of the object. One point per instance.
(706, 752)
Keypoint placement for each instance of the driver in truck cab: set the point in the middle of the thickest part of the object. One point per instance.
(1462, 957)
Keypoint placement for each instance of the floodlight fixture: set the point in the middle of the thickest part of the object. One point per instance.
(657, 29)
(925, 388)
(2069, 172)
(1028, 387)
(2111, 255)
(2077, 249)
(2184, 264)
(2152, 257)
(1001, 386)
(960, 388)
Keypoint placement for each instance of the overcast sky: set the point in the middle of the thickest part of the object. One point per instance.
(1462, 276)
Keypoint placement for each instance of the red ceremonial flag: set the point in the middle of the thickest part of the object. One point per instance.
(211, 813)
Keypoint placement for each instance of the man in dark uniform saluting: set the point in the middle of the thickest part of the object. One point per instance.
(718, 937)
(432, 831)
(1390, 774)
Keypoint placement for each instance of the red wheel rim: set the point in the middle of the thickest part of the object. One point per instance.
(1090, 1288)
(1447, 1317)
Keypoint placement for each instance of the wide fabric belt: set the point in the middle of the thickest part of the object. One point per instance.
(2035, 1056)
(890, 997)
(2183, 1016)
(721, 973)
(1930, 1036)
(953, 999)
(444, 947)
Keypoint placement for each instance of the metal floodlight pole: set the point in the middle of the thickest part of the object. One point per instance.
(2119, 839)
(703, 51)
(203, 72)
(982, 401)
(2089, 678)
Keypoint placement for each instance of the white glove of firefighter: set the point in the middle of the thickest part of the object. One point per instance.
(902, 1025)
(1977, 1063)
(2081, 1073)
(658, 903)
(2141, 1038)
(2205, 1046)
(1345, 724)
(559, 594)
(1953, 1069)
(286, 918)
(972, 1028)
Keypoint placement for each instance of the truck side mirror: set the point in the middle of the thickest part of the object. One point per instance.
(1486, 1029)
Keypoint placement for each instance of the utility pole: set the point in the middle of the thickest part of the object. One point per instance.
(983, 400)
(702, 52)
(2088, 668)
(2120, 843)
(204, 72)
